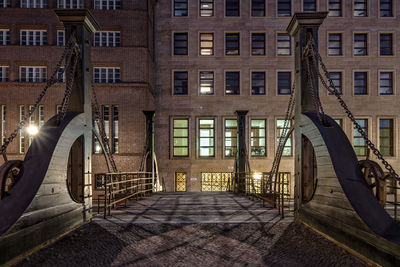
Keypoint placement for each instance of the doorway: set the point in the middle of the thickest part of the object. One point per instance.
(180, 181)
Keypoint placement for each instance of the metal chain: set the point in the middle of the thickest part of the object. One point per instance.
(332, 88)
(53, 80)
(100, 124)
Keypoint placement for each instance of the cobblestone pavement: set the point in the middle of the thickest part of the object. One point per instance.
(118, 242)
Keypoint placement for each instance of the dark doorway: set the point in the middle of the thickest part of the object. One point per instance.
(75, 171)
(309, 169)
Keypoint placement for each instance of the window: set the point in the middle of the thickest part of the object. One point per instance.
(206, 8)
(69, 3)
(258, 44)
(41, 115)
(386, 137)
(280, 127)
(4, 37)
(386, 8)
(335, 8)
(360, 146)
(180, 137)
(60, 38)
(339, 122)
(284, 82)
(106, 75)
(180, 8)
(106, 118)
(4, 73)
(181, 43)
(33, 3)
(257, 8)
(232, 44)
(258, 144)
(22, 130)
(206, 138)
(180, 82)
(386, 44)
(206, 83)
(309, 5)
(385, 83)
(230, 138)
(335, 44)
(360, 44)
(96, 143)
(5, 3)
(61, 75)
(107, 39)
(31, 122)
(232, 82)
(32, 74)
(360, 83)
(284, 8)
(206, 44)
(232, 8)
(258, 83)
(360, 8)
(3, 124)
(115, 129)
(336, 78)
(107, 4)
(33, 37)
(283, 44)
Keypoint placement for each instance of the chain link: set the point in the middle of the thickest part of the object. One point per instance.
(53, 80)
(332, 89)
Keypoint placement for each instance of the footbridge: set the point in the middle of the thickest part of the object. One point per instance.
(354, 204)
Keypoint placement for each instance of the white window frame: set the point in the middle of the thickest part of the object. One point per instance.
(109, 5)
(34, 34)
(114, 35)
(5, 37)
(70, 4)
(114, 79)
(33, 4)
(22, 115)
(39, 73)
(60, 35)
(4, 73)
(5, 3)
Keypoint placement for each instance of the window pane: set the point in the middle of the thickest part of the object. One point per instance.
(232, 83)
(180, 137)
(284, 8)
(232, 8)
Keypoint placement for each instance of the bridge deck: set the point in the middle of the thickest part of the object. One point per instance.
(192, 229)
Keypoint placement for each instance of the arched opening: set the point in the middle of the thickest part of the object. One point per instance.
(309, 169)
(75, 170)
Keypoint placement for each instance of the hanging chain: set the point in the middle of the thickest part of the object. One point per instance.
(332, 89)
(53, 80)
(100, 124)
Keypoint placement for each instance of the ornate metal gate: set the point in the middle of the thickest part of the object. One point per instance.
(216, 181)
(180, 181)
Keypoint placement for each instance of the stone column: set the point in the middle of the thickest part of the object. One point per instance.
(241, 148)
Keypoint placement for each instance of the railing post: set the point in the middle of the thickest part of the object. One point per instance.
(105, 195)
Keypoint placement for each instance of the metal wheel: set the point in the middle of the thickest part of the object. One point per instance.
(375, 178)
(10, 172)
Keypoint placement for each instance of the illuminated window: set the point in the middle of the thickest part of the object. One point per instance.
(206, 82)
(180, 137)
(386, 137)
(206, 138)
(258, 143)
(360, 146)
(115, 130)
(230, 138)
(280, 127)
(22, 130)
(206, 8)
(339, 122)
(258, 44)
(206, 44)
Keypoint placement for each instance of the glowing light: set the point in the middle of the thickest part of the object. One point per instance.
(32, 130)
(257, 176)
(97, 148)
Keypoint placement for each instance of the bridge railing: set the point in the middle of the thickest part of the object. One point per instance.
(275, 191)
(391, 201)
(120, 187)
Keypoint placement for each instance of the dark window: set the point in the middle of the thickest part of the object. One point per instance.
(386, 83)
(386, 8)
(5, 3)
(180, 8)
(309, 5)
(180, 83)
(336, 78)
(335, 44)
(180, 43)
(258, 44)
(284, 83)
(283, 44)
(232, 82)
(386, 137)
(360, 44)
(360, 83)
(232, 8)
(284, 8)
(335, 8)
(360, 8)
(232, 44)
(258, 83)
(360, 146)
(386, 44)
(206, 8)
(258, 8)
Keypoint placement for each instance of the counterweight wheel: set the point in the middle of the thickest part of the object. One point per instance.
(10, 172)
(375, 178)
